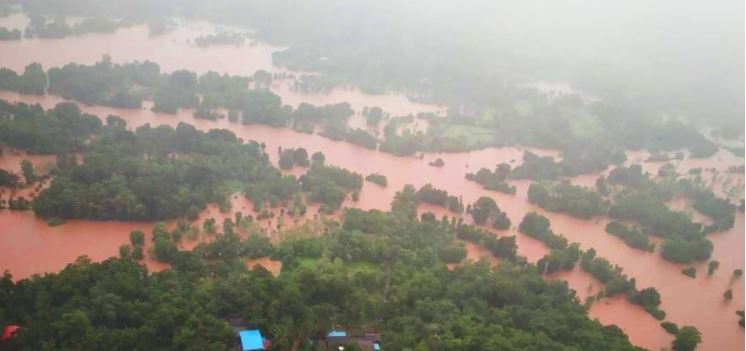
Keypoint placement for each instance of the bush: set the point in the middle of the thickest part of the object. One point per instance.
(689, 272)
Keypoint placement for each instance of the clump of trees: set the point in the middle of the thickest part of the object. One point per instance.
(293, 157)
(687, 339)
(329, 185)
(538, 227)
(429, 194)
(721, 211)
(437, 163)
(221, 38)
(9, 179)
(134, 175)
(377, 178)
(684, 240)
(32, 81)
(564, 197)
(61, 130)
(494, 180)
(40, 26)
(632, 236)
(374, 115)
(500, 246)
(690, 272)
(8, 34)
(486, 211)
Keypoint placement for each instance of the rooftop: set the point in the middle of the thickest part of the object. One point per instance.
(251, 340)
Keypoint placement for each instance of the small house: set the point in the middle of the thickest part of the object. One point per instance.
(251, 339)
(336, 338)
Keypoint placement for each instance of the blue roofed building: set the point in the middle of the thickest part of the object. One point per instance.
(337, 334)
(336, 338)
(251, 339)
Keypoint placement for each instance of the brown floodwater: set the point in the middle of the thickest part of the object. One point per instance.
(176, 50)
(29, 246)
(687, 301)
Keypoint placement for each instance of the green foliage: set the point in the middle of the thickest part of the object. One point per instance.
(137, 238)
(133, 175)
(632, 236)
(721, 211)
(670, 327)
(9, 179)
(376, 178)
(329, 185)
(19, 203)
(564, 197)
(405, 202)
(712, 266)
(40, 27)
(318, 157)
(55, 221)
(537, 168)
(32, 81)
(685, 241)
(8, 34)
(361, 137)
(27, 169)
(437, 163)
(494, 180)
(690, 272)
(632, 177)
(612, 276)
(432, 195)
(339, 278)
(373, 115)
(559, 259)
(485, 210)
(683, 251)
(293, 157)
(537, 226)
(687, 339)
(728, 295)
(63, 129)
(503, 247)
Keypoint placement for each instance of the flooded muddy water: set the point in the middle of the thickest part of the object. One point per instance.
(687, 301)
(684, 299)
(29, 246)
(176, 50)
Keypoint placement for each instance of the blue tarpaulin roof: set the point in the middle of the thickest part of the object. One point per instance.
(251, 340)
(376, 346)
(337, 334)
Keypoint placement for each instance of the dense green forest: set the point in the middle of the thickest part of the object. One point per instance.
(376, 267)
(155, 173)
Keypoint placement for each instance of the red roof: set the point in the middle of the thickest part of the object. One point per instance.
(9, 331)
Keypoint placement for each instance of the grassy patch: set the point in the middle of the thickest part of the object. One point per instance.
(468, 136)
